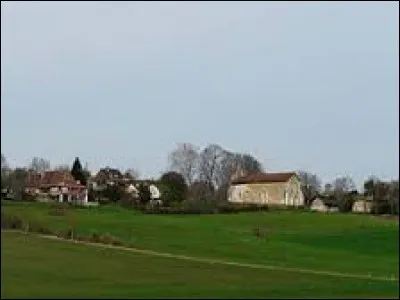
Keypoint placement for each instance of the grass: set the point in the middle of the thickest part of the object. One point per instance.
(33, 267)
(347, 243)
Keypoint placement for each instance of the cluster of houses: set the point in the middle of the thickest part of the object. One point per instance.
(281, 189)
(62, 187)
(56, 185)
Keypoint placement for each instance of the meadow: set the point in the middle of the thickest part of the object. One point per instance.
(357, 245)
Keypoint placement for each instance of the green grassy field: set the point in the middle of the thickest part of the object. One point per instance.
(33, 267)
(343, 243)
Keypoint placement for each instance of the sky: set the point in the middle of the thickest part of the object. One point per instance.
(300, 85)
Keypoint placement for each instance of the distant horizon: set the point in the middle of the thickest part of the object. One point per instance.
(359, 185)
(310, 86)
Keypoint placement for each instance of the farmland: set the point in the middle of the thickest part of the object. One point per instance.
(347, 244)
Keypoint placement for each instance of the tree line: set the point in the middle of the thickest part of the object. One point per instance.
(200, 177)
(384, 195)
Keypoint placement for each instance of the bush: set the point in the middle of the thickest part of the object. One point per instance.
(95, 237)
(236, 208)
(38, 228)
(175, 210)
(192, 208)
(144, 193)
(81, 238)
(106, 239)
(173, 187)
(260, 232)
(380, 207)
(113, 193)
(103, 239)
(28, 197)
(345, 202)
(14, 222)
(11, 222)
(117, 243)
(201, 192)
(128, 201)
(66, 234)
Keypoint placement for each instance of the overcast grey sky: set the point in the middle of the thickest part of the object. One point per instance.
(300, 85)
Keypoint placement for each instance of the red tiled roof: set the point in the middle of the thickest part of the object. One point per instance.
(52, 178)
(33, 180)
(264, 178)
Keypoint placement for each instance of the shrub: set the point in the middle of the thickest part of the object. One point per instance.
(28, 197)
(116, 242)
(144, 193)
(201, 192)
(70, 233)
(112, 193)
(178, 210)
(11, 222)
(345, 202)
(95, 237)
(81, 238)
(106, 239)
(174, 188)
(204, 206)
(66, 234)
(260, 232)
(38, 228)
(127, 201)
(236, 208)
(190, 207)
(103, 239)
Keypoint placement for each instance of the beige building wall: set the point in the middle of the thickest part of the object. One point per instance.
(362, 206)
(318, 205)
(277, 193)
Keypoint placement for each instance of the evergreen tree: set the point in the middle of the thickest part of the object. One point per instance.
(173, 187)
(78, 172)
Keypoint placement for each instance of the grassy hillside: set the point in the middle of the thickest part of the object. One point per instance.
(34, 267)
(345, 243)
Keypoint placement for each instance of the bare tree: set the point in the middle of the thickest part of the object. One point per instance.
(232, 163)
(17, 181)
(385, 196)
(381, 197)
(62, 168)
(223, 168)
(343, 184)
(4, 165)
(39, 164)
(249, 164)
(185, 160)
(310, 185)
(3, 161)
(369, 185)
(394, 196)
(211, 159)
(344, 192)
(328, 188)
(132, 173)
(5, 170)
(201, 194)
(217, 166)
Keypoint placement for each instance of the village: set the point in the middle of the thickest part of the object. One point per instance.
(245, 184)
(199, 150)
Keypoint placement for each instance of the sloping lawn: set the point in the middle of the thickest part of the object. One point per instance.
(34, 267)
(357, 244)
